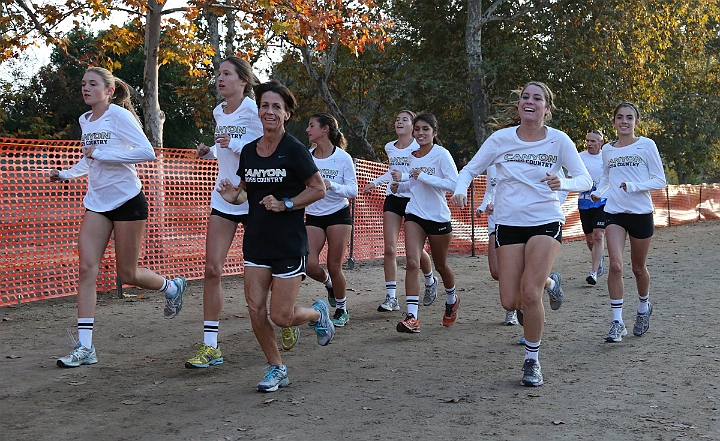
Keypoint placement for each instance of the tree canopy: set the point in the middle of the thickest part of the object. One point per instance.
(366, 60)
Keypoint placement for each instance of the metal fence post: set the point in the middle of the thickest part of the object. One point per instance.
(118, 287)
(351, 261)
(667, 196)
(472, 219)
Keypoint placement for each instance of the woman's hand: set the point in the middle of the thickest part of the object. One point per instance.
(327, 184)
(202, 150)
(394, 187)
(396, 175)
(489, 208)
(594, 198)
(624, 186)
(88, 151)
(459, 200)
(54, 176)
(368, 188)
(223, 140)
(273, 204)
(553, 181)
(229, 192)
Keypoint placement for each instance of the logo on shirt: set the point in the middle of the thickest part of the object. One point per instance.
(233, 131)
(328, 173)
(426, 170)
(265, 174)
(402, 161)
(625, 161)
(543, 160)
(95, 138)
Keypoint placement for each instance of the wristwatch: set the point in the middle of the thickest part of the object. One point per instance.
(288, 204)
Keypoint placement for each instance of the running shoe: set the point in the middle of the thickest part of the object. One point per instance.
(616, 333)
(324, 328)
(601, 268)
(591, 278)
(341, 317)
(450, 314)
(556, 294)
(390, 304)
(79, 355)
(520, 316)
(410, 325)
(290, 337)
(174, 303)
(532, 374)
(275, 377)
(430, 293)
(510, 318)
(521, 340)
(642, 321)
(205, 356)
(331, 297)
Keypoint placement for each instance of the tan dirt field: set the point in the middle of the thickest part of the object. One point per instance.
(373, 383)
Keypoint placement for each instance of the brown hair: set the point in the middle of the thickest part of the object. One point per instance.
(335, 135)
(244, 71)
(632, 106)
(432, 122)
(279, 88)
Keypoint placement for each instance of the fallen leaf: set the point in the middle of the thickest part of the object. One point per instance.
(7, 319)
(127, 335)
(533, 395)
(141, 297)
(238, 316)
(76, 383)
(558, 422)
(366, 408)
(269, 400)
(452, 400)
(130, 402)
(13, 356)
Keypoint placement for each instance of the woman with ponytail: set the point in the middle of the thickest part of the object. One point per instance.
(427, 216)
(329, 219)
(112, 143)
(528, 156)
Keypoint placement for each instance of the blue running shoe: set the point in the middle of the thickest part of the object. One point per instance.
(174, 303)
(324, 327)
(275, 377)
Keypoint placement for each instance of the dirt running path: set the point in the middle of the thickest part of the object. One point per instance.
(372, 383)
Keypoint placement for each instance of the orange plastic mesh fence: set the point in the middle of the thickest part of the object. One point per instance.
(40, 220)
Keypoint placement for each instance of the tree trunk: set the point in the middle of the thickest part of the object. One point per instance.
(322, 87)
(154, 117)
(230, 36)
(479, 102)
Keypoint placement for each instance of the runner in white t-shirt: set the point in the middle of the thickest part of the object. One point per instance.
(236, 124)
(631, 169)
(329, 219)
(427, 217)
(398, 153)
(112, 143)
(529, 158)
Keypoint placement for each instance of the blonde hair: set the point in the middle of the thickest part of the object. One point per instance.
(121, 96)
(510, 116)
